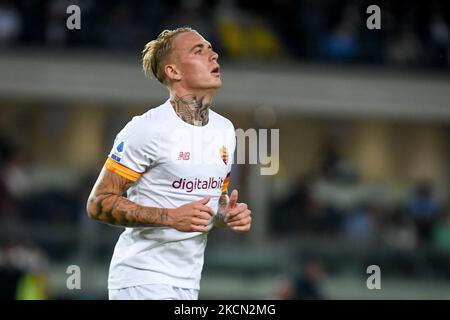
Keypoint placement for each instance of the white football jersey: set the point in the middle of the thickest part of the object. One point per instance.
(173, 163)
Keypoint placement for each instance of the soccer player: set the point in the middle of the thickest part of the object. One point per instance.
(174, 163)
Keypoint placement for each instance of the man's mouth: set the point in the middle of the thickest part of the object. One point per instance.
(216, 70)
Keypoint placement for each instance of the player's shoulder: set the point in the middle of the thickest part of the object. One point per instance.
(159, 114)
(151, 119)
(221, 120)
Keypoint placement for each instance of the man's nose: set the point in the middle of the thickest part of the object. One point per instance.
(214, 56)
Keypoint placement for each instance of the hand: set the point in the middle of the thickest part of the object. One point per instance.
(237, 215)
(192, 217)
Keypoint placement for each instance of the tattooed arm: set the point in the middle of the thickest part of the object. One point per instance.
(106, 204)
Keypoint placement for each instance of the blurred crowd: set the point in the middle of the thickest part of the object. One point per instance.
(413, 33)
(23, 272)
(335, 202)
(22, 199)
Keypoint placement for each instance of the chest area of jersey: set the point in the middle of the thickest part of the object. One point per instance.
(195, 153)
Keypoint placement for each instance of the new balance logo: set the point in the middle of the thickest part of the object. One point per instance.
(184, 155)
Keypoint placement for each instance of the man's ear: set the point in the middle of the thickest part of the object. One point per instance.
(172, 72)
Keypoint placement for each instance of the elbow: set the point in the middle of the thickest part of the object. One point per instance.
(92, 209)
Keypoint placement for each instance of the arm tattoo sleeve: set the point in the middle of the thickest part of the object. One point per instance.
(106, 204)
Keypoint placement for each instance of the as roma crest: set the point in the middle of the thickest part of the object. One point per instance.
(224, 154)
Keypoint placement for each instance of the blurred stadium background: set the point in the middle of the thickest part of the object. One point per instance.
(364, 119)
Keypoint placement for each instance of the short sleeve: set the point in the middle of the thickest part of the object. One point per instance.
(134, 149)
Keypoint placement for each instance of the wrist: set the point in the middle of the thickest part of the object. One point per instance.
(170, 215)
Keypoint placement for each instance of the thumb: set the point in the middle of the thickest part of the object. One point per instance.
(233, 199)
(205, 200)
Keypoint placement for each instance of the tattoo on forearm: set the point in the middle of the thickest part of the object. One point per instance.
(191, 109)
(107, 204)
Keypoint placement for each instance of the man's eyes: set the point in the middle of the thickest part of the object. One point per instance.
(200, 50)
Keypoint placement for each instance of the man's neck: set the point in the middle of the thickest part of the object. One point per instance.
(192, 108)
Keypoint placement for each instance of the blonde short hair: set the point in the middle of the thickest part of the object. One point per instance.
(156, 51)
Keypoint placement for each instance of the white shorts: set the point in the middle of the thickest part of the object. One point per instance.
(153, 292)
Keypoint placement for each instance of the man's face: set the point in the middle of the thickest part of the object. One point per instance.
(196, 62)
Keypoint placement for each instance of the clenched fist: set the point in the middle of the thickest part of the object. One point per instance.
(237, 215)
(192, 217)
